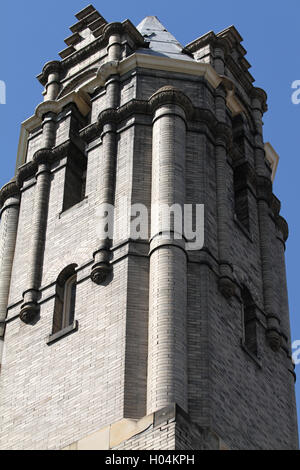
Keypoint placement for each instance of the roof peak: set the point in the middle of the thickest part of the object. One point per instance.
(161, 41)
(151, 23)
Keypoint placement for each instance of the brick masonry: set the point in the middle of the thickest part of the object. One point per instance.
(128, 357)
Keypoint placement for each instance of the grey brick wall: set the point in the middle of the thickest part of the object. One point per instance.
(53, 396)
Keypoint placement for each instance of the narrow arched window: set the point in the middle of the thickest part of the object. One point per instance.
(65, 299)
(69, 301)
(249, 322)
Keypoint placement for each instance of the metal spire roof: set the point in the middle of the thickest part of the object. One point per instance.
(161, 42)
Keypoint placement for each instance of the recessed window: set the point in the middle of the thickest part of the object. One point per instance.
(241, 199)
(75, 181)
(65, 300)
(249, 322)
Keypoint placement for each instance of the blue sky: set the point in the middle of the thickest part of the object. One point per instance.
(32, 33)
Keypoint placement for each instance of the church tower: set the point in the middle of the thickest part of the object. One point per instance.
(144, 343)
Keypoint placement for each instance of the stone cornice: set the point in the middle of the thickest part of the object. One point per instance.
(9, 190)
(81, 95)
(208, 39)
(226, 40)
(164, 96)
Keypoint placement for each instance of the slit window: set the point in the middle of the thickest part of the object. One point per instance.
(65, 300)
(75, 180)
(241, 198)
(249, 322)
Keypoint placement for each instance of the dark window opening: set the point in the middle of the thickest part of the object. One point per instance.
(75, 181)
(241, 195)
(65, 299)
(242, 207)
(250, 322)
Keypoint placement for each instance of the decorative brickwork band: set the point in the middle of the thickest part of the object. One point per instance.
(167, 349)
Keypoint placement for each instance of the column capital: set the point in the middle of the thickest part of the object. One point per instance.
(49, 68)
(9, 190)
(170, 95)
(259, 99)
(108, 116)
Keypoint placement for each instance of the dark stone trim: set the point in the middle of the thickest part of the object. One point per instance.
(164, 96)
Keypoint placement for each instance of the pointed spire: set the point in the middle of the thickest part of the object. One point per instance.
(161, 41)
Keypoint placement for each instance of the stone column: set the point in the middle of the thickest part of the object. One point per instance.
(266, 226)
(52, 88)
(10, 203)
(30, 307)
(281, 272)
(114, 44)
(113, 92)
(114, 56)
(101, 269)
(226, 284)
(167, 353)
(219, 60)
(259, 107)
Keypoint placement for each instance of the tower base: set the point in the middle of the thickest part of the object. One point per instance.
(167, 429)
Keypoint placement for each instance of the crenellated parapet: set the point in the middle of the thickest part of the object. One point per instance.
(91, 34)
